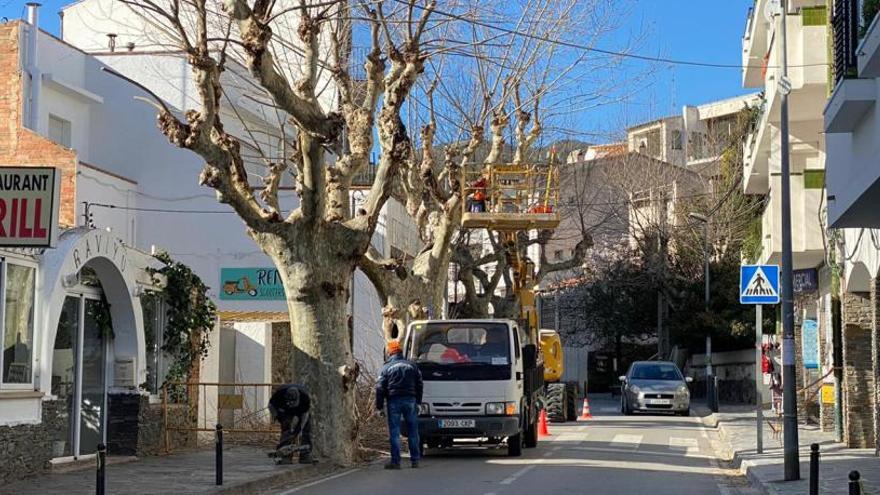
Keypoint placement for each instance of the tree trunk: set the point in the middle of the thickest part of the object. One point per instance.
(315, 278)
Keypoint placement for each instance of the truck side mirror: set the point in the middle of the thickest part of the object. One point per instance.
(689, 379)
(622, 378)
(530, 356)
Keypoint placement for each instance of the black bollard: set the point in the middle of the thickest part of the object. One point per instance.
(218, 460)
(102, 462)
(814, 469)
(855, 483)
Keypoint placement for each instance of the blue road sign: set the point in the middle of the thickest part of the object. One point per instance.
(759, 284)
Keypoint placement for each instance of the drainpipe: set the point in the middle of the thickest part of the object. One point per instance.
(33, 120)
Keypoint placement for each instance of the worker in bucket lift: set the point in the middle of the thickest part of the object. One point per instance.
(477, 200)
(290, 406)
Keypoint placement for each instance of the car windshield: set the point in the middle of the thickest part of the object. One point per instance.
(658, 371)
(461, 343)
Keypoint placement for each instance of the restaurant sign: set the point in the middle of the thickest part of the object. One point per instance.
(29, 202)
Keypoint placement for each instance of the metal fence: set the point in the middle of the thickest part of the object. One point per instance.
(239, 407)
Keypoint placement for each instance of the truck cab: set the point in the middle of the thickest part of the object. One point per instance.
(479, 382)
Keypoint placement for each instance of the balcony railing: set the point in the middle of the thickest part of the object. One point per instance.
(750, 18)
(845, 24)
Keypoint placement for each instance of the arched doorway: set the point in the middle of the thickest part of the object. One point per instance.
(94, 345)
(80, 366)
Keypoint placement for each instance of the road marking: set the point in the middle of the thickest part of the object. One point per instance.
(513, 477)
(690, 445)
(627, 440)
(318, 482)
(648, 453)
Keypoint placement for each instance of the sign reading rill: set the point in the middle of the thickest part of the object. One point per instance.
(251, 284)
(29, 203)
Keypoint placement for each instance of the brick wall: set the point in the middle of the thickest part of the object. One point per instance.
(19, 145)
(858, 372)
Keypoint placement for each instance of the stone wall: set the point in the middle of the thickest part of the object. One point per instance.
(27, 449)
(875, 354)
(282, 346)
(151, 428)
(858, 372)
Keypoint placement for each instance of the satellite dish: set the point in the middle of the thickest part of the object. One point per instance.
(771, 9)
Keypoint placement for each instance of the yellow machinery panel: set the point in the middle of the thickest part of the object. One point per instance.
(551, 348)
(512, 197)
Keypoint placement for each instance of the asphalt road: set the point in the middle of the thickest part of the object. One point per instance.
(610, 454)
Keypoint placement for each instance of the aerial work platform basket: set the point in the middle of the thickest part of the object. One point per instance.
(511, 197)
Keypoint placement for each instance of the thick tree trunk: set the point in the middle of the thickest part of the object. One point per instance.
(315, 277)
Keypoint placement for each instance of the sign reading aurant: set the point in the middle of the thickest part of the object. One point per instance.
(29, 202)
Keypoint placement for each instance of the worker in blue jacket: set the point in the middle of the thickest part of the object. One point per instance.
(400, 384)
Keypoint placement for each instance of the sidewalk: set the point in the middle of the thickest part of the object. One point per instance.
(737, 429)
(246, 470)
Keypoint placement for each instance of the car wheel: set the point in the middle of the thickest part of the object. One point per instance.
(627, 411)
(686, 412)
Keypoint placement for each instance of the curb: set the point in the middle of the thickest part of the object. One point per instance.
(711, 420)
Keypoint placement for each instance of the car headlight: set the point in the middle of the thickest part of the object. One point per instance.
(635, 389)
(501, 408)
(424, 409)
(683, 390)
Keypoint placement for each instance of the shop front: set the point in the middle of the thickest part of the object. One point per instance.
(74, 349)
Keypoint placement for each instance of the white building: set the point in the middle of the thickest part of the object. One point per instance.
(66, 378)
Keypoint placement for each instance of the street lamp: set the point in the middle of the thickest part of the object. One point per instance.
(710, 385)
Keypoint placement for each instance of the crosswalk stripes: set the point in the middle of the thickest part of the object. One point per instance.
(690, 446)
(632, 441)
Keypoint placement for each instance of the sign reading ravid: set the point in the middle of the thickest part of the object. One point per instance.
(759, 284)
(29, 203)
(251, 284)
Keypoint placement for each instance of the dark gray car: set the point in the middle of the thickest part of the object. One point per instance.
(651, 386)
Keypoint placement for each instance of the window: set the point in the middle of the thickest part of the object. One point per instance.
(59, 130)
(154, 329)
(19, 297)
(676, 140)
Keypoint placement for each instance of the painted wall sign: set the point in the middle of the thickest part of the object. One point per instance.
(805, 280)
(810, 343)
(251, 284)
(29, 203)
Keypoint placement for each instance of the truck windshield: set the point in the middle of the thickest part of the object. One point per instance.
(462, 351)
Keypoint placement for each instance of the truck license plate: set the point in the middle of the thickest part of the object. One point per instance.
(457, 423)
(659, 402)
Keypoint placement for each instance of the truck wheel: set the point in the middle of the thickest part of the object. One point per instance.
(571, 402)
(531, 439)
(514, 445)
(554, 402)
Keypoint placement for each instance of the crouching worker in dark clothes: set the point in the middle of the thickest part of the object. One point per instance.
(290, 405)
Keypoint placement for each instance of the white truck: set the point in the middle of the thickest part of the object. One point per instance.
(482, 381)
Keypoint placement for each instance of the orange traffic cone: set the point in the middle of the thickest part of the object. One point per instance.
(585, 413)
(543, 431)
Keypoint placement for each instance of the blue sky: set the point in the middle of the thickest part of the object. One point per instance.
(700, 30)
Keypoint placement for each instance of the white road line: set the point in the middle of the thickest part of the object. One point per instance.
(627, 440)
(513, 477)
(690, 446)
(318, 482)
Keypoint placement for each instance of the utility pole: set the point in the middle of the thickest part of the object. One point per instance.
(789, 425)
(710, 383)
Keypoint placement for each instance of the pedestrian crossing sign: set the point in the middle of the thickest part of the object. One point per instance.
(759, 284)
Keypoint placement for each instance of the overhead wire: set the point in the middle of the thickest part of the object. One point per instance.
(614, 53)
